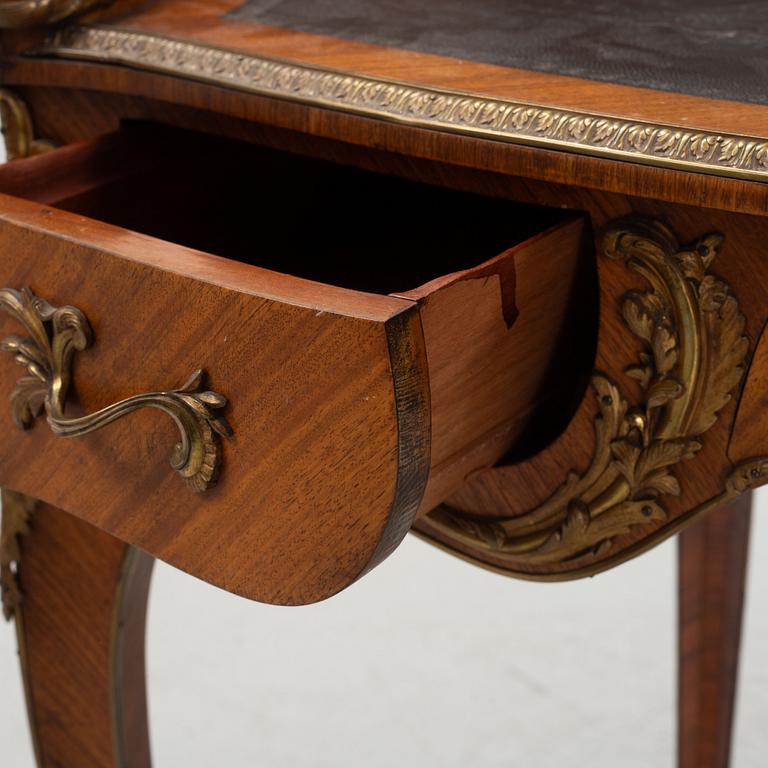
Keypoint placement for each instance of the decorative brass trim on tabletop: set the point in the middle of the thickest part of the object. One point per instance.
(640, 141)
(15, 515)
(56, 333)
(695, 350)
(18, 132)
(15, 14)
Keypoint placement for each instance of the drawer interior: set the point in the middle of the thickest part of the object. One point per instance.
(378, 340)
(295, 215)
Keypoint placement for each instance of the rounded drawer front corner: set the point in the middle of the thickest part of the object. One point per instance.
(319, 384)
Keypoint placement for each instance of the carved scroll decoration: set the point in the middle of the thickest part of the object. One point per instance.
(15, 14)
(16, 512)
(55, 334)
(693, 357)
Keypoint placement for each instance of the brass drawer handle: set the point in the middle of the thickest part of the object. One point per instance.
(55, 334)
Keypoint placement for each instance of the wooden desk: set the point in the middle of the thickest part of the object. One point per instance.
(363, 279)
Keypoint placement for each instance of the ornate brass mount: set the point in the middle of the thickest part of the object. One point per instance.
(692, 332)
(17, 128)
(464, 112)
(55, 335)
(15, 14)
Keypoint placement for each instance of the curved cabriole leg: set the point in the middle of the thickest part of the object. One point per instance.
(712, 569)
(79, 598)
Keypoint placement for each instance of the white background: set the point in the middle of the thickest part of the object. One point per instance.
(426, 662)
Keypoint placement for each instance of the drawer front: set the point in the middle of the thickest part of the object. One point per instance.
(372, 358)
(327, 399)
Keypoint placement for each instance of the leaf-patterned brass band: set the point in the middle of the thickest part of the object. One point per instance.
(55, 334)
(693, 357)
(665, 145)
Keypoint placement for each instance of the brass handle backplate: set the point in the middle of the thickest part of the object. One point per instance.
(55, 334)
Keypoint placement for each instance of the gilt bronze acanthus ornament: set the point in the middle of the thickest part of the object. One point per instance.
(18, 131)
(693, 358)
(15, 14)
(55, 334)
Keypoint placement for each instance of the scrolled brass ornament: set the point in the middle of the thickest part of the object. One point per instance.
(15, 14)
(693, 357)
(18, 131)
(55, 334)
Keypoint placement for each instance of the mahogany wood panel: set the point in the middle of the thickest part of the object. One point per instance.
(520, 486)
(481, 407)
(740, 265)
(712, 571)
(259, 533)
(81, 641)
(684, 49)
(202, 20)
(76, 169)
(750, 429)
(511, 159)
(159, 313)
(333, 380)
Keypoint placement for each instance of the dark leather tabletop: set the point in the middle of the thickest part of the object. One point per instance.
(708, 48)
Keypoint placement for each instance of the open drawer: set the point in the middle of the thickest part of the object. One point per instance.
(376, 340)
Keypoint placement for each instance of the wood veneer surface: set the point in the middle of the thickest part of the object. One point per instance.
(329, 383)
(208, 22)
(697, 47)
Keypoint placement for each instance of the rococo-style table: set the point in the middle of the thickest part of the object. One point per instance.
(495, 273)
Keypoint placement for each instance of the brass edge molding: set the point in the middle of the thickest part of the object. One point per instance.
(17, 14)
(133, 586)
(657, 144)
(16, 513)
(746, 476)
(18, 131)
(56, 333)
(693, 358)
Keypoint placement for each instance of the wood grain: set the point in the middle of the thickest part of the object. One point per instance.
(204, 22)
(81, 641)
(544, 467)
(507, 314)
(712, 572)
(327, 466)
(750, 428)
(292, 403)
(521, 485)
(340, 383)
